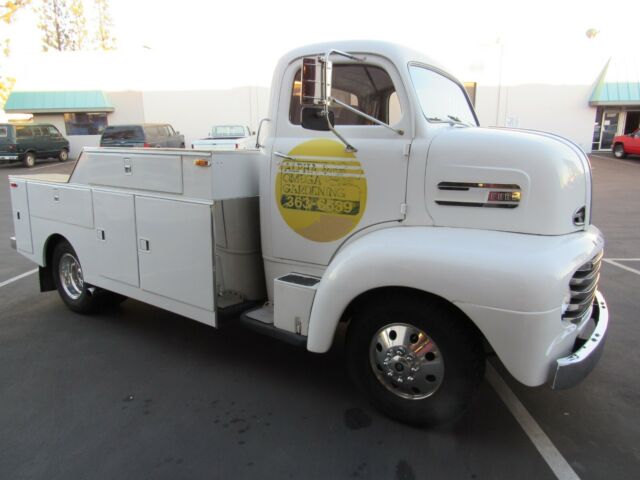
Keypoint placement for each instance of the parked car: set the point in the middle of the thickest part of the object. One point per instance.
(146, 135)
(225, 137)
(27, 143)
(627, 144)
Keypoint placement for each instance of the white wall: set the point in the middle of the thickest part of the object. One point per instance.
(559, 109)
(194, 112)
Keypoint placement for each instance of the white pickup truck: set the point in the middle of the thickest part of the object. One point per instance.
(225, 137)
(374, 200)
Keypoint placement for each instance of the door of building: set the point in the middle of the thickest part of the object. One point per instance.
(610, 120)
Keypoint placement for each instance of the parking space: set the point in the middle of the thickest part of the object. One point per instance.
(142, 393)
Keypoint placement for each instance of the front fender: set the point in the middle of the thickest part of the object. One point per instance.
(497, 270)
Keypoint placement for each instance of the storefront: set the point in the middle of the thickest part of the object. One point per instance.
(617, 98)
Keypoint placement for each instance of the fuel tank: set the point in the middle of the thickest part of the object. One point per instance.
(508, 180)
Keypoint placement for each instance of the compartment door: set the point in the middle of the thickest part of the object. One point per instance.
(175, 250)
(116, 255)
(21, 220)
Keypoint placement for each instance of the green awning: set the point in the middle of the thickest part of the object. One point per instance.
(58, 102)
(618, 85)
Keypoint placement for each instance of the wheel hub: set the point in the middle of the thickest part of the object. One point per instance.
(406, 361)
(71, 276)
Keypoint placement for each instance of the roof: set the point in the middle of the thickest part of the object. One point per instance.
(58, 102)
(619, 83)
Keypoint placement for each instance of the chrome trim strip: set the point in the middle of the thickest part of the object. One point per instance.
(451, 203)
(467, 186)
(572, 369)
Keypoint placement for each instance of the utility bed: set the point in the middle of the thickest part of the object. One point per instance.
(172, 227)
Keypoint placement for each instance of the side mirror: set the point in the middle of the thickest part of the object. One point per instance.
(313, 118)
(316, 81)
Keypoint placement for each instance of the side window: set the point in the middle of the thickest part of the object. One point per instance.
(365, 87)
(4, 132)
(37, 132)
(170, 130)
(24, 132)
(53, 131)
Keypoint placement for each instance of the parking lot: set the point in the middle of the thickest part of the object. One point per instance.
(139, 392)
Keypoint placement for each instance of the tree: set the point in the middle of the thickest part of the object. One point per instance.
(104, 38)
(78, 25)
(8, 12)
(63, 25)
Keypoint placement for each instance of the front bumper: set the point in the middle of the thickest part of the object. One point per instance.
(9, 158)
(572, 369)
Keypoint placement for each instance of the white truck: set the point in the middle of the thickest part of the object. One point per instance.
(225, 137)
(374, 200)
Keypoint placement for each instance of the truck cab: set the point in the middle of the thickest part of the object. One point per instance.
(373, 199)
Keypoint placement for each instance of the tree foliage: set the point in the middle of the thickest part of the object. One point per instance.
(63, 25)
(9, 8)
(104, 37)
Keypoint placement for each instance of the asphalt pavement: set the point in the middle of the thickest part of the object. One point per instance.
(139, 392)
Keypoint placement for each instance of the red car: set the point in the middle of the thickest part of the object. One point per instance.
(627, 144)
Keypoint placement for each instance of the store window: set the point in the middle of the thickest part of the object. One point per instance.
(85, 123)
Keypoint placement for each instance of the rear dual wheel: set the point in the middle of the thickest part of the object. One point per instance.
(417, 359)
(79, 296)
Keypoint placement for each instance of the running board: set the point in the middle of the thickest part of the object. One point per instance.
(251, 320)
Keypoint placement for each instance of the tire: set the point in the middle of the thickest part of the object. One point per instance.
(29, 160)
(449, 366)
(618, 151)
(79, 296)
(63, 156)
(182, 145)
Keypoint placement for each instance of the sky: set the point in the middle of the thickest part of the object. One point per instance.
(195, 44)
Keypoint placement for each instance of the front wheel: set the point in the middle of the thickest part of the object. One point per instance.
(417, 359)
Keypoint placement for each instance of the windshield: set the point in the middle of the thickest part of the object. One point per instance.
(228, 131)
(441, 99)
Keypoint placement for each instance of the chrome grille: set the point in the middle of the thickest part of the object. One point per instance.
(583, 287)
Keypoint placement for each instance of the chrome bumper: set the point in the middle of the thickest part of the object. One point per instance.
(572, 369)
(9, 158)
(13, 243)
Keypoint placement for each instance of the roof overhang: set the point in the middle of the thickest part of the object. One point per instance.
(618, 85)
(58, 102)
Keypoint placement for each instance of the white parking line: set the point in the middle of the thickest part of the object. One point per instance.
(543, 444)
(624, 267)
(22, 275)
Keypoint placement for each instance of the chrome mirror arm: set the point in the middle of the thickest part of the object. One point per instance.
(364, 115)
(343, 54)
(348, 146)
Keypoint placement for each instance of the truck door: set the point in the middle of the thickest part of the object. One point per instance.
(322, 194)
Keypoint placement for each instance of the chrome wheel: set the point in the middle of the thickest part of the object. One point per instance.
(64, 156)
(406, 361)
(618, 151)
(71, 276)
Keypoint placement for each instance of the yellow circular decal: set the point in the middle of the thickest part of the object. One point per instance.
(321, 191)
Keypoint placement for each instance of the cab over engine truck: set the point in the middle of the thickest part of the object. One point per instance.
(372, 198)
